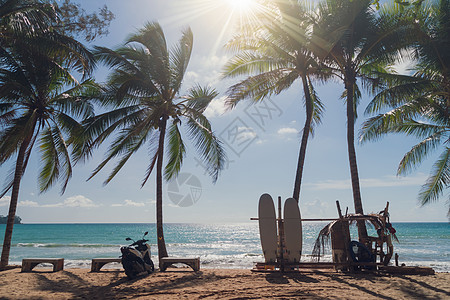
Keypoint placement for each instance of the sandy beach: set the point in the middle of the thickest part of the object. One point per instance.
(219, 284)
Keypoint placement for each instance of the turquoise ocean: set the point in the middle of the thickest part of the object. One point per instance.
(217, 245)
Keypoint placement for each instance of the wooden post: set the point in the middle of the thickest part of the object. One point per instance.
(340, 241)
(280, 236)
(339, 209)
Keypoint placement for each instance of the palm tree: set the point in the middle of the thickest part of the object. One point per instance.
(35, 107)
(21, 18)
(144, 89)
(420, 103)
(275, 55)
(356, 44)
(25, 16)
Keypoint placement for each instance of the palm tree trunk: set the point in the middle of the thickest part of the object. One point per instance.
(349, 84)
(304, 142)
(13, 203)
(162, 251)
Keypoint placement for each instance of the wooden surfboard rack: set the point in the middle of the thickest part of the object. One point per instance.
(341, 257)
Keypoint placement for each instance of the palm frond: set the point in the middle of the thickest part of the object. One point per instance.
(438, 181)
(125, 145)
(318, 108)
(260, 86)
(250, 63)
(207, 144)
(418, 153)
(198, 98)
(176, 152)
(55, 158)
(180, 56)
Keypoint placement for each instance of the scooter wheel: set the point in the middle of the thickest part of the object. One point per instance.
(152, 267)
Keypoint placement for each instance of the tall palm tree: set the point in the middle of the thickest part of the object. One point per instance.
(275, 54)
(144, 92)
(356, 44)
(35, 107)
(421, 103)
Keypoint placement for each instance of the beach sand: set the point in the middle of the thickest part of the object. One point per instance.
(182, 283)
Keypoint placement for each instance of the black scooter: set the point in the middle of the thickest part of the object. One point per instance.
(136, 258)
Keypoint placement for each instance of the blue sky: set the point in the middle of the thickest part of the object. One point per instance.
(262, 157)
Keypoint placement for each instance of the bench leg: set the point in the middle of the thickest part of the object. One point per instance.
(58, 266)
(96, 266)
(162, 266)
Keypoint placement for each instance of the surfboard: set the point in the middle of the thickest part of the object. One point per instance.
(268, 227)
(292, 230)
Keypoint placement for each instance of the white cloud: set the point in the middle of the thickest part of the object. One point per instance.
(386, 181)
(4, 201)
(315, 208)
(207, 71)
(216, 108)
(129, 203)
(246, 133)
(79, 201)
(28, 203)
(287, 130)
(74, 201)
(214, 62)
(191, 76)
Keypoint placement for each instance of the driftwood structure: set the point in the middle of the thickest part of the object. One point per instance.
(380, 247)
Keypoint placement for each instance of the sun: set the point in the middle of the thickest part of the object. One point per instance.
(242, 5)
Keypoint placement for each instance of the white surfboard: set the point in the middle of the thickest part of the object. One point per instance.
(268, 227)
(292, 230)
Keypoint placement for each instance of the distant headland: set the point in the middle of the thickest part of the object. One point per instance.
(17, 219)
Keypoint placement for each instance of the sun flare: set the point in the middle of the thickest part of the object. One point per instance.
(242, 5)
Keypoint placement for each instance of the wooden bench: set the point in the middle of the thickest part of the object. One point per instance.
(98, 263)
(29, 263)
(194, 263)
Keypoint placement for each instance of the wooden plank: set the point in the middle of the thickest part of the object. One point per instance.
(307, 220)
(407, 270)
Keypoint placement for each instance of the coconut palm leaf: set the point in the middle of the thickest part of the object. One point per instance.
(175, 150)
(207, 144)
(198, 98)
(26, 17)
(438, 180)
(55, 158)
(418, 153)
(180, 56)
